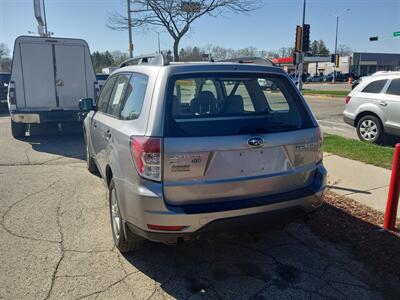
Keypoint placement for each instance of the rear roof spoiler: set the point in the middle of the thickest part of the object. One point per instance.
(149, 59)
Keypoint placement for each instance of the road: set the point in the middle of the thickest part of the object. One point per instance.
(329, 113)
(56, 243)
(339, 86)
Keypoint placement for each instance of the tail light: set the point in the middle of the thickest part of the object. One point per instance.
(11, 93)
(347, 99)
(320, 142)
(146, 153)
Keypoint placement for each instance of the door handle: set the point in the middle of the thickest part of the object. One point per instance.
(94, 124)
(383, 103)
(60, 82)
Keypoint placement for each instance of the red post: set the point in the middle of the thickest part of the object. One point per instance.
(389, 222)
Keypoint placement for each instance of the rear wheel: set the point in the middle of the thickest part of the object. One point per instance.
(370, 129)
(118, 226)
(17, 129)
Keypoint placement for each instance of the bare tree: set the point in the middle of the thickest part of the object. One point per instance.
(344, 50)
(176, 16)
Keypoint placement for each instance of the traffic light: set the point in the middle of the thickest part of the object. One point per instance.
(337, 60)
(306, 37)
(298, 38)
(333, 58)
(373, 38)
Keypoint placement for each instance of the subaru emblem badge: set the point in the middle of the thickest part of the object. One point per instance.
(255, 142)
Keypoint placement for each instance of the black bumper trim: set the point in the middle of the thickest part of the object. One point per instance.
(243, 203)
(56, 115)
(348, 120)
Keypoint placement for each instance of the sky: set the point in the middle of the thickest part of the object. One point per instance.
(269, 28)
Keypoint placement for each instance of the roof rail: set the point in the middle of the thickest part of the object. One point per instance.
(250, 60)
(150, 59)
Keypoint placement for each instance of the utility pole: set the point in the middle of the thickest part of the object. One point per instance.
(130, 46)
(337, 28)
(334, 66)
(300, 69)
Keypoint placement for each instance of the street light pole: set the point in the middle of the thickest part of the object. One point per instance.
(300, 69)
(130, 46)
(45, 20)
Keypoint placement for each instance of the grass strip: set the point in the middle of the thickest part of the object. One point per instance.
(325, 93)
(365, 152)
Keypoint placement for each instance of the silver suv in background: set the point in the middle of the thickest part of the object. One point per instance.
(186, 148)
(373, 107)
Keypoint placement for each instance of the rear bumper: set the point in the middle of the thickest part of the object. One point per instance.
(147, 206)
(349, 120)
(48, 116)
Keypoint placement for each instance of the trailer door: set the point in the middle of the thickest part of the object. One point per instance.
(38, 76)
(71, 82)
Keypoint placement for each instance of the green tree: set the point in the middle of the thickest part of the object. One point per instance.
(318, 48)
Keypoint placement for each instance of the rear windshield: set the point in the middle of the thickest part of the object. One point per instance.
(229, 104)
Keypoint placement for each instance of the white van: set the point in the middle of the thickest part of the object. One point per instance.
(48, 77)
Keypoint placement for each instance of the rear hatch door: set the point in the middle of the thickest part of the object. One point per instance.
(227, 137)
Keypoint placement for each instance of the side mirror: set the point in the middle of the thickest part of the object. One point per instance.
(86, 104)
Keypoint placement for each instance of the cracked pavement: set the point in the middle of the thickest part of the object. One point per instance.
(56, 243)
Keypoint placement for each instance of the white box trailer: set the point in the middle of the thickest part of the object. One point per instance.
(48, 77)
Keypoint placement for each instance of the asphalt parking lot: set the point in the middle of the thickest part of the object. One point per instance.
(56, 243)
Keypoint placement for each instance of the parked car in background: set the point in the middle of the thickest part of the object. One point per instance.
(356, 82)
(187, 148)
(294, 79)
(316, 78)
(4, 81)
(373, 107)
(48, 77)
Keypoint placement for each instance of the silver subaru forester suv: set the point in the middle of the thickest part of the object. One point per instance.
(188, 148)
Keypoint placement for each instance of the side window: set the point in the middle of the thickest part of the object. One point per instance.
(185, 90)
(243, 92)
(135, 93)
(375, 87)
(394, 87)
(117, 95)
(276, 99)
(105, 94)
(209, 85)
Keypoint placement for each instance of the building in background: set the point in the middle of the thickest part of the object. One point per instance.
(324, 65)
(368, 63)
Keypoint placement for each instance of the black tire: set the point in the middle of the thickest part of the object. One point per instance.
(17, 129)
(370, 129)
(119, 228)
(90, 163)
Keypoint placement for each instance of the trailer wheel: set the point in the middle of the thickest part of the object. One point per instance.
(17, 129)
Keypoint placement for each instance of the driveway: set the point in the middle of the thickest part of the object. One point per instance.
(56, 243)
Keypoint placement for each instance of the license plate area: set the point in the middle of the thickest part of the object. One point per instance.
(248, 162)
